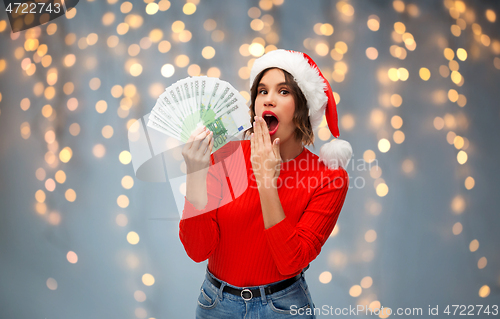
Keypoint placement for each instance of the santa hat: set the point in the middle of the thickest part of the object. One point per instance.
(318, 94)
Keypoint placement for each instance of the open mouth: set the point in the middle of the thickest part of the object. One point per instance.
(271, 121)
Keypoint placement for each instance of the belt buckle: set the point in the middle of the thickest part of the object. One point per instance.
(246, 290)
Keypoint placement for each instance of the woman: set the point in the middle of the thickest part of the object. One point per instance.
(264, 208)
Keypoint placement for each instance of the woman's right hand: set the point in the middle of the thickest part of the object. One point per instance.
(196, 155)
(197, 150)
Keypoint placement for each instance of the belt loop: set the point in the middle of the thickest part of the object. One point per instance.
(263, 295)
(303, 284)
(304, 270)
(223, 284)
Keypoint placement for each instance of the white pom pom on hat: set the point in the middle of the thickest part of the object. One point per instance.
(318, 94)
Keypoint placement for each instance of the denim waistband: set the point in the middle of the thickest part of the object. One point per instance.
(260, 287)
(249, 287)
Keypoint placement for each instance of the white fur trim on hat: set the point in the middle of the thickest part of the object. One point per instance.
(336, 153)
(307, 77)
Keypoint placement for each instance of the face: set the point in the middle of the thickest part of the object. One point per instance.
(275, 104)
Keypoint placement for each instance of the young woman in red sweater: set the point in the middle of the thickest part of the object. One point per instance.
(261, 209)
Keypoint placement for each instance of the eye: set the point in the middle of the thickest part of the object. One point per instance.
(284, 92)
(262, 91)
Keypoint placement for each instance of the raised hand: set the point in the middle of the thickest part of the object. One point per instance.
(197, 150)
(265, 155)
(196, 154)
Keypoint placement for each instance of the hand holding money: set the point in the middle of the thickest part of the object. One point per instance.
(200, 101)
(196, 154)
(205, 113)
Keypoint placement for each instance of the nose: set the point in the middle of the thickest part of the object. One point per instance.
(269, 101)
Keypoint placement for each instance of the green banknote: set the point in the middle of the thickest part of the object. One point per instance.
(195, 101)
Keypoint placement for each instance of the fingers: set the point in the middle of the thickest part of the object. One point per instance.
(255, 136)
(276, 148)
(199, 138)
(195, 133)
(256, 130)
(204, 143)
(265, 132)
(198, 149)
(261, 131)
(210, 146)
(191, 138)
(252, 145)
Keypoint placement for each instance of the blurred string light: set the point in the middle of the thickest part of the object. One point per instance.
(55, 156)
(464, 16)
(401, 35)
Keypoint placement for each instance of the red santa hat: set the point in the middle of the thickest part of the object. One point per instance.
(319, 96)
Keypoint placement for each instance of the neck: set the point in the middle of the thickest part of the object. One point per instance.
(290, 149)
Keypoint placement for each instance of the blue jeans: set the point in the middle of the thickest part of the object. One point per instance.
(292, 302)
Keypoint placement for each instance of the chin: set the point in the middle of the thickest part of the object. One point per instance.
(282, 136)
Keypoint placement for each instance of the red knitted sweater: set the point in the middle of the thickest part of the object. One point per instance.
(230, 231)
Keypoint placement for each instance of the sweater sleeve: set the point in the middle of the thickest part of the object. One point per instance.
(198, 229)
(294, 247)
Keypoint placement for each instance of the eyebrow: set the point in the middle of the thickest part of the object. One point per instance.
(279, 84)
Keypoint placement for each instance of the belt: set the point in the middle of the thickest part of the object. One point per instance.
(248, 294)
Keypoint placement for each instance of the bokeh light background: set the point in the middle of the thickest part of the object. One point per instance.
(417, 85)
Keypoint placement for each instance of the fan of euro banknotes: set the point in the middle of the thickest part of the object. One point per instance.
(201, 100)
